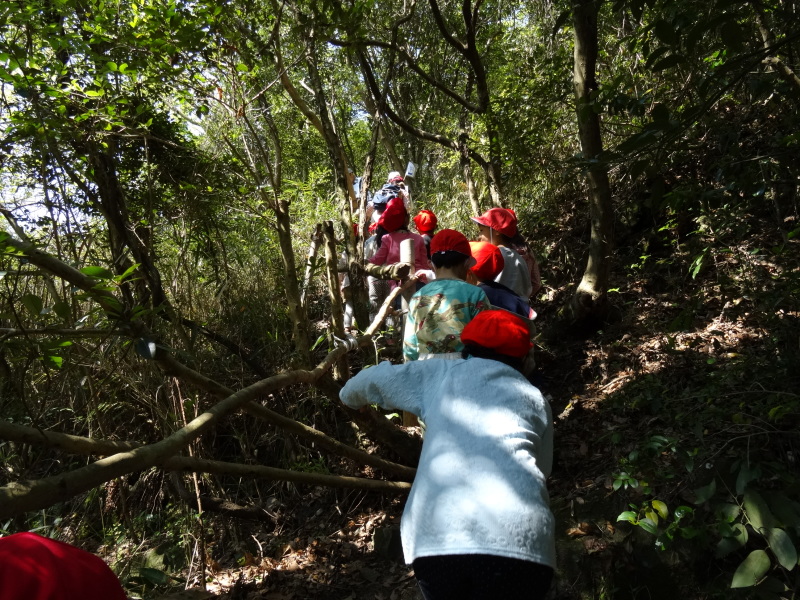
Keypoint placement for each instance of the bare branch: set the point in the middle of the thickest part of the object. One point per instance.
(88, 446)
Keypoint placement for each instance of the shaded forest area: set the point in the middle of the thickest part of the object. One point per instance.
(175, 200)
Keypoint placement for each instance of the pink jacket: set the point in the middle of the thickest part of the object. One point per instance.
(389, 252)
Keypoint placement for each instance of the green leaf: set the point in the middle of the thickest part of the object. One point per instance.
(781, 545)
(787, 511)
(649, 526)
(732, 543)
(747, 473)
(146, 348)
(666, 32)
(628, 516)
(55, 361)
(98, 272)
(33, 304)
(752, 569)
(154, 576)
(562, 18)
(62, 310)
(660, 508)
(668, 62)
(757, 512)
(320, 339)
(728, 511)
(128, 272)
(706, 492)
(655, 55)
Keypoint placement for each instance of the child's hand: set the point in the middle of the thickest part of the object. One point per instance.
(400, 270)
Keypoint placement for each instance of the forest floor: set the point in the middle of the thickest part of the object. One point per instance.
(650, 407)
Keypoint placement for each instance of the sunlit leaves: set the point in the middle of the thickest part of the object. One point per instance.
(751, 570)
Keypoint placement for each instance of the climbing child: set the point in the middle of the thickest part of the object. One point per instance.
(425, 222)
(439, 311)
(488, 265)
(391, 231)
(498, 226)
(477, 523)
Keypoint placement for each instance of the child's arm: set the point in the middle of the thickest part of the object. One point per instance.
(380, 256)
(396, 386)
(410, 342)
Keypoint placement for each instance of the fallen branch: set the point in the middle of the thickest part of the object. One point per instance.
(23, 496)
(87, 446)
(321, 440)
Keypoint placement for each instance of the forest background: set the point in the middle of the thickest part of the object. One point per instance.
(175, 191)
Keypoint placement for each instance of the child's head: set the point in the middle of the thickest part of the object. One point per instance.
(489, 261)
(450, 252)
(395, 216)
(498, 335)
(497, 226)
(425, 222)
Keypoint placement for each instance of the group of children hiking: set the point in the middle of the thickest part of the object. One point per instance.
(477, 523)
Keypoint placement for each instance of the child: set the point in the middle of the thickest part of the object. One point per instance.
(477, 523)
(393, 229)
(425, 222)
(439, 311)
(498, 226)
(489, 263)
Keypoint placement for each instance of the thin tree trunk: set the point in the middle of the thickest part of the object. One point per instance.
(590, 298)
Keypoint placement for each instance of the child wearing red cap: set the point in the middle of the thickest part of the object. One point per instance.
(498, 226)
(489, 264)
(391, 231)
(33, 567)
(438, 312)
(425, 222)
(477, 523)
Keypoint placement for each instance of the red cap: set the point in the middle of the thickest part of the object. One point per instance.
(38, 568)
(490, 261)
(498, 330)
(425, 221)
(395, 215)
(450, 240)
(502, 220)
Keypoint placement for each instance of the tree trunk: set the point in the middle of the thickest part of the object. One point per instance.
(300, 327)
(590, 299)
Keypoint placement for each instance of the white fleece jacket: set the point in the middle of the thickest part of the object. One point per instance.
(480, 486)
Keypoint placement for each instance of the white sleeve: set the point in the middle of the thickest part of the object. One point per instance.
(396, 386)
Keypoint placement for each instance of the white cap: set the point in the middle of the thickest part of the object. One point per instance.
(394, 175)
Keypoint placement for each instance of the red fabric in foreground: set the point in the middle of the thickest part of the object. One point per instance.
(33, 567)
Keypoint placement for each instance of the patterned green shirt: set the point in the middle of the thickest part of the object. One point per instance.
(436, 315)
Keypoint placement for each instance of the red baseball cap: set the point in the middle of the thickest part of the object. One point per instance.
(450, 240)
(489, 260)
(38, 568)
(498, 330)
(502, 220)
(425, 221)
(395, 215)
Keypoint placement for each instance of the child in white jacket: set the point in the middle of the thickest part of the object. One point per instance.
(477, 523)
